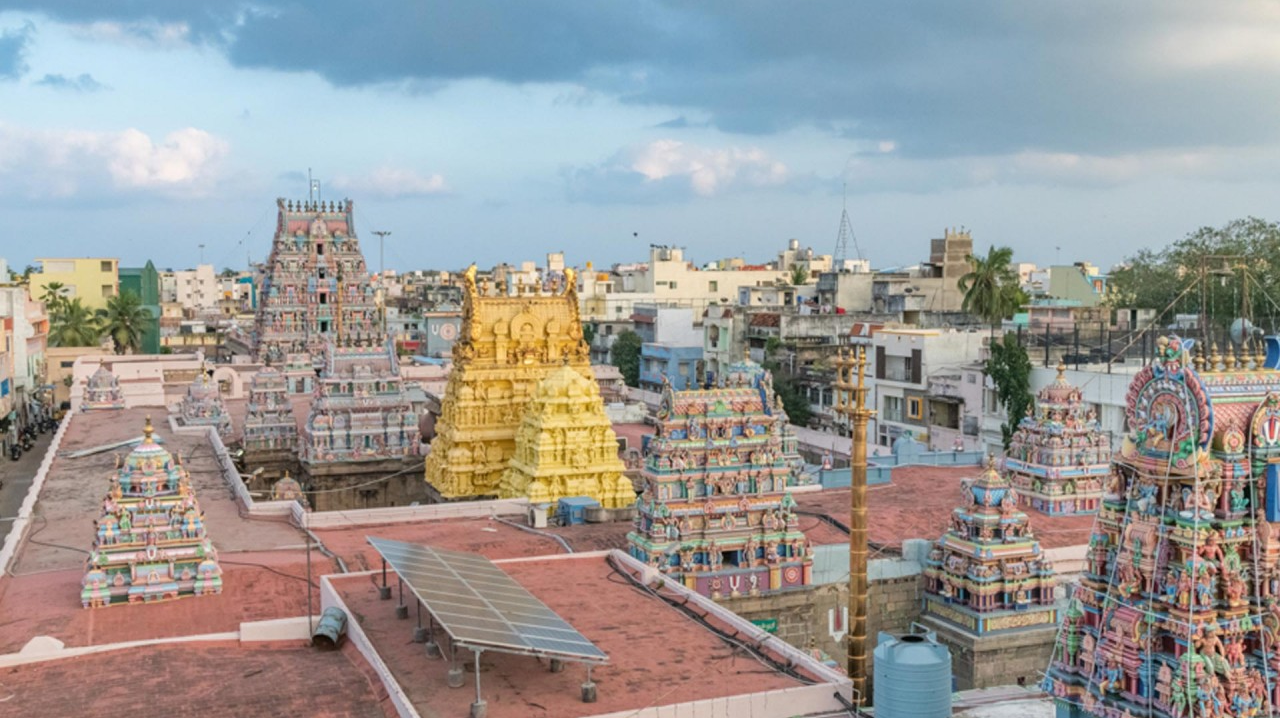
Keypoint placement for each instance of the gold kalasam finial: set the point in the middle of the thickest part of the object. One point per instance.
(1259, 356)
(1214, 356)
(571, 279)
(147, 429)
(1062, 370)
(1198, 359)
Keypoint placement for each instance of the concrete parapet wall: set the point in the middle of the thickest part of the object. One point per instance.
(402, 514)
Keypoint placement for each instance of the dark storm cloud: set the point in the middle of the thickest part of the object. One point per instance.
(937, 78)
(13, 51)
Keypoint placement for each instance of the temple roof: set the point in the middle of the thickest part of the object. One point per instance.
(147, 451)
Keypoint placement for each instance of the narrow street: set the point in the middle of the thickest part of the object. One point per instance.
(17, 477)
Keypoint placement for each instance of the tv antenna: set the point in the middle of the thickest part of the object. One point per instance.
(845, 235)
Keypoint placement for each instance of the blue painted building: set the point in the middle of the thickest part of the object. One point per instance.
(679, 364)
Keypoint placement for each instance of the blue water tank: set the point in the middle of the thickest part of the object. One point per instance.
(912, 677)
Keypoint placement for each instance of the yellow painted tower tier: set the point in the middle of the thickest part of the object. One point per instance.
(565, 446)
(511, 340)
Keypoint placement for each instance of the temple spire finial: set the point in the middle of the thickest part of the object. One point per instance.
(147, 429)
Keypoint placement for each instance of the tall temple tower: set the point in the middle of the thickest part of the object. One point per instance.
(317, 286)
(1178, 609)
(716, 512)
(511, 340)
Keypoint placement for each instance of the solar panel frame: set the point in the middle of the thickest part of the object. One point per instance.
(481, 607)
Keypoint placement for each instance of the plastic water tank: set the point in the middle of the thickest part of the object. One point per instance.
(912, 677)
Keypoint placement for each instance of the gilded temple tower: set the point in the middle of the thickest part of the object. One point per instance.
(511, 340)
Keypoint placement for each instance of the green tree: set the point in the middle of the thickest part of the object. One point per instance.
(794, 402)
(588, 332)
(1160, 279)
(990, 287)
(125, 320)
(53, 297)
(626, 356)
(1010, 371)
(799, 277)
(74, 325)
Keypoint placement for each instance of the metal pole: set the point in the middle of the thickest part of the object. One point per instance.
(310, 621)
(853, 405)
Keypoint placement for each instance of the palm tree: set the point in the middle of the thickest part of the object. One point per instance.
(53, 297)
(798, 275)
(124, 320)
(991, 290)
(74, 325)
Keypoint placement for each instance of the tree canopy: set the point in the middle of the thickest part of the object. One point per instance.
(125, 320)
(626, 356)
(1159, 279)
(990, 287)
(1010, 370)
(72, 324)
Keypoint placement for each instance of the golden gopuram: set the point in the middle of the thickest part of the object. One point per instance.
(565, 446)
(512, 340)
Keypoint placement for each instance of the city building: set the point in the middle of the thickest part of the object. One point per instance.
(724, 339)
(904, 360)
(671, 346)
(144, 282)
(1080, 282)
(93, 280)
(197, 290)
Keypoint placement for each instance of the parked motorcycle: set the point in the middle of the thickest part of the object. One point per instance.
(15, 452)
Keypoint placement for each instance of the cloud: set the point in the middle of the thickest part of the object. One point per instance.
(147, 33)
(988, 77)
(54, 164)
(82, 83)
(669, 170)
(391, 183)
(13, 51)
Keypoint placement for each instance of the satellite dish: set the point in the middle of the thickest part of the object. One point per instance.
(1241, 329)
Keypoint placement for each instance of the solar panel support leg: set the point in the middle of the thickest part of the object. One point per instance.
(419, 633)
(384, 591)
(479, 709)
(402, 611)
(589, 689)
(557, 665)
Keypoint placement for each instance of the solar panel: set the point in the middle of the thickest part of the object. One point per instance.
(480, 606)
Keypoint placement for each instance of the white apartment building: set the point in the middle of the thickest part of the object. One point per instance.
(195, 289)
(903, 362)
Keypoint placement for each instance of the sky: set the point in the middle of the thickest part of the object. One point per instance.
(493, 131)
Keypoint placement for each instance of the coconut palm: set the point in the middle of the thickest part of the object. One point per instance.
(53, 297)
(74, 325)
(799, 275)
(124, 320)
(991, 290)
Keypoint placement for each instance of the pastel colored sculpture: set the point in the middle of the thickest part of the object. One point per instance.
(511, 340)
(361, 411)
(988, 573)
(151, 543)
(317, 288)
(269, 424)
(288, 489)
(715, 512)
(203, 405)
(1178, 609)
(565, 446)
(102, 391)
(1059, 457)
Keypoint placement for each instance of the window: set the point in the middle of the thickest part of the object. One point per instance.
(106, 265)
(892, 408)
(324, 298)
(320, 249)
(673, 285)
(108, 290)
(67, 364)
(683, 369)
(713, 286)
(915, 408)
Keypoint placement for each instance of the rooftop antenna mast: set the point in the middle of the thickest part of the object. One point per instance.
(845, 235)
(313, 187)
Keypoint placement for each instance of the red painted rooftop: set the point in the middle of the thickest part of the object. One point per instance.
(917, 503)
(657, 655)
(202, 679)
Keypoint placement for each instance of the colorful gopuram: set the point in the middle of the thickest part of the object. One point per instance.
(101, 391)
(988, 573)
(1178, 609)
(512, 338)
(1059, 456)
(151, 543)
(203, 406)
(269, 424)
(317, 286)
(565, 446)
(715, 512)
(360, 412)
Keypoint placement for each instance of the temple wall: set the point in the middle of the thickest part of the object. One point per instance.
(994, 659)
